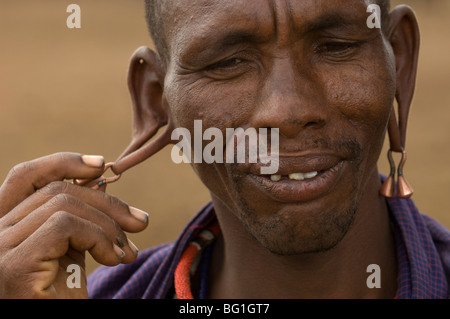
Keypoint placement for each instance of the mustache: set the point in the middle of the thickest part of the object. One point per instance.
(347, 146)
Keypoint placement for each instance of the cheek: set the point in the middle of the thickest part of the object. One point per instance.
(362, 97)
(216, 105)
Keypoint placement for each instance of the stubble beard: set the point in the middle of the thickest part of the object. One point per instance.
(286, 233)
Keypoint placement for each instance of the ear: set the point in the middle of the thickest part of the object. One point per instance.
(404, 36)
(145, 83)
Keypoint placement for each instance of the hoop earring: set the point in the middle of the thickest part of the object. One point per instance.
(404, 190)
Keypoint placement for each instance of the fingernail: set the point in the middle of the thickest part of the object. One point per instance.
(119, 252)
(120, 242)
(133, 246)
(93, 160)
(139, 214)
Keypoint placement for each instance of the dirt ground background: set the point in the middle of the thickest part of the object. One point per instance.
(65, 90)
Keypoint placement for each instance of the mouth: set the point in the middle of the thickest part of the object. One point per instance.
(301, 179)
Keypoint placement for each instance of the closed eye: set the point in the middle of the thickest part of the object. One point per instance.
(225, 64)
(337, 49)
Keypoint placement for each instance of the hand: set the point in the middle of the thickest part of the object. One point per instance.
(47, 224)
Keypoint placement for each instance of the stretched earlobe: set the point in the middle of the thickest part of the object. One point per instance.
(404, 37)
(145, 83)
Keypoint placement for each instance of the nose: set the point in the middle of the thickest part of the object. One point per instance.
(289, 100)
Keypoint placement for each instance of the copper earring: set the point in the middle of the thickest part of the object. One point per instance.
(404, 190)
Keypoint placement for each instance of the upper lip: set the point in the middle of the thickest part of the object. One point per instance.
(301, 163)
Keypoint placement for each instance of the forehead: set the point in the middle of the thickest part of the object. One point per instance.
(196, 20)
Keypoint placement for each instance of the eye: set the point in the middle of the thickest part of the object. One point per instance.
(228, 69)
(225, 64)
(336, 48)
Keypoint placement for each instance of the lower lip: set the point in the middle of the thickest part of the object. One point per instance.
(287, 190)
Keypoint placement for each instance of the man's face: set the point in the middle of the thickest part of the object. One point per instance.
(311, 68)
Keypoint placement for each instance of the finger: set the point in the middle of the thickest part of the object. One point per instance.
(25, 178)
(129, 219)
(17, 233)
(52, 240)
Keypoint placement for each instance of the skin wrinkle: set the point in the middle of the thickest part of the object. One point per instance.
(322, 98)
(253, 226)
(282, 41)
(156, 9)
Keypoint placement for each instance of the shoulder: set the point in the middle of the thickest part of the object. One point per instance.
(128, 280)
(441, 234)
(441, 240)
(427, 242)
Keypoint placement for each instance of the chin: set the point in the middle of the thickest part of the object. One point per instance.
(296, 229)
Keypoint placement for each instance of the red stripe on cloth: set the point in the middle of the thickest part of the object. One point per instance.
(182, 273)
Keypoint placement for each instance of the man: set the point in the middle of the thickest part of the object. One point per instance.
(321, 74)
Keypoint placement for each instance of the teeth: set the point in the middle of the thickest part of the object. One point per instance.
(275, 178)
(311, 174)
(295, 176)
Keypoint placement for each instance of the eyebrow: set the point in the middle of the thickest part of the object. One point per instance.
(238, 37)
(224, 40)
(325, 22)
(330, 21)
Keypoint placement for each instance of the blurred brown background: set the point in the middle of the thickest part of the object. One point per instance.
(65, 90)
